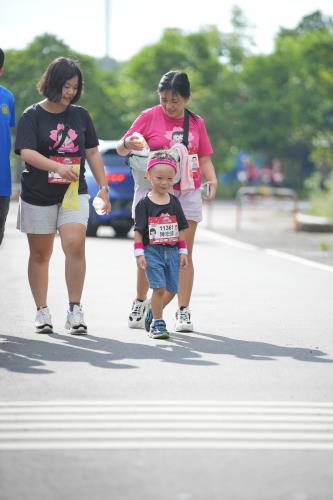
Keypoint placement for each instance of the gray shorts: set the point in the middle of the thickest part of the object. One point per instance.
(33, 219)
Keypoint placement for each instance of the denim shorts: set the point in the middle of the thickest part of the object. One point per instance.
(162, 267)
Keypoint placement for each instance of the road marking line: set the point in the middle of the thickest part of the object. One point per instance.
(91, 417)
(166, 435)
(101, 426)
(299, 260)
(174, 403)
(229, 241)
(269, 251)
(164, 410)
(58, 425)
(162, 445)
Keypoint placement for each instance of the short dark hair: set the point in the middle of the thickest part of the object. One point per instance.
(177, 82)
(56, 75)
(2, 58)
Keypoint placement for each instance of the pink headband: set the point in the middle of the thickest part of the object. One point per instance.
(164, 161)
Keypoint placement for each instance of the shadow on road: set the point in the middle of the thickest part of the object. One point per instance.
(249, 349)
(25, 355)
(20, 354)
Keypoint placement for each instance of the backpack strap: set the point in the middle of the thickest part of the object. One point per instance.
(186, 127)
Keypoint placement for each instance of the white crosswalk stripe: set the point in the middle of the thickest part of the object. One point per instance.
(57, 425)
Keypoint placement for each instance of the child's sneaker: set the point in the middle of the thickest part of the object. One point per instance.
(183, 320)
(138, 313)
(43, 321)
(158, 330)
(149, 317)
(75, 321)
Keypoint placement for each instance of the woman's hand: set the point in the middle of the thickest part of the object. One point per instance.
(135, 142)
(105, 197)
(212, 190)
(66, 171)
(96, 164)
(208, 172)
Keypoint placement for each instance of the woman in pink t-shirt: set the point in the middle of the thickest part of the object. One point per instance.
(162, 127)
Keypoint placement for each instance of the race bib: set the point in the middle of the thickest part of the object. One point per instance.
(194, 163)
(54, 178)
(163, 229)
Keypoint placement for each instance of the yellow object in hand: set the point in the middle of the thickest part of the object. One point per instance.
(71, 198)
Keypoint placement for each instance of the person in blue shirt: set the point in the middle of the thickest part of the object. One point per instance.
(7, 120)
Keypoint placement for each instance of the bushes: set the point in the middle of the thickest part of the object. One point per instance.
(321, 201)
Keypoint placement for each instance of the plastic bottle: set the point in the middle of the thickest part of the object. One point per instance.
(205, 190)
(99, 205)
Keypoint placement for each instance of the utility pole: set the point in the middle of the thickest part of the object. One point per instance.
(107, 28)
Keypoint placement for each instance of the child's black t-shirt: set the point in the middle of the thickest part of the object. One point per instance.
(159, 224)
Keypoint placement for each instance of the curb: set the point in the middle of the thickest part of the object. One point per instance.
(313, 223)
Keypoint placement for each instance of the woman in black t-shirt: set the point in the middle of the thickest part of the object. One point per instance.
(54, 138)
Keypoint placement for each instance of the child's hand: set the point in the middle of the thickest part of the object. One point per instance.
(183, 260)
(141, 262)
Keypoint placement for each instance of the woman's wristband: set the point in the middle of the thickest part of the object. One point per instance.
(138, 249)
(124, 143)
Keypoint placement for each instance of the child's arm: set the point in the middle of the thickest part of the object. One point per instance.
(182, 249)
(139, 250)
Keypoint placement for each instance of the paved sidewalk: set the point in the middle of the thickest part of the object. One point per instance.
(269, 225)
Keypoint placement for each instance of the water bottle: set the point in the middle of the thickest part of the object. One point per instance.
(142, 152)
(99, 205)
(205, 190)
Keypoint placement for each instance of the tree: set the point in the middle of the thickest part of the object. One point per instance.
(313, 22)
(25, 67)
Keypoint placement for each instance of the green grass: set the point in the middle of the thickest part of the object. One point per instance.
(321, 202)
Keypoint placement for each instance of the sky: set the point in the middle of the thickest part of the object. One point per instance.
(133, 24)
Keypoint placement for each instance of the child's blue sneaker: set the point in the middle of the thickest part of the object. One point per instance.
(158, 330)
(149, 317)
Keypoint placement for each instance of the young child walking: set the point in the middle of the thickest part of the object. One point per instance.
(159, 242)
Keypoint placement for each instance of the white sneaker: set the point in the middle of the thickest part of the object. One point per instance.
(138, 313)
(183, 320)
(43, 321)
(75, 321)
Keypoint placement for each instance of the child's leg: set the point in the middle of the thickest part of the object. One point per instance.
(171, 276)
(157, 328)
(157, 302)
(167, 297)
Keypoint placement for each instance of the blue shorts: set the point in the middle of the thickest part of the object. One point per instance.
(162, 267)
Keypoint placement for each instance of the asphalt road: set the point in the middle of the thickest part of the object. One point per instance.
(241, 408)
(269, 224)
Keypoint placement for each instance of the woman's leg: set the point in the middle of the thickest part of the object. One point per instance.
(142, 285)
(73, 244)
(186, 275)
(41, 246)
(136, 318)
